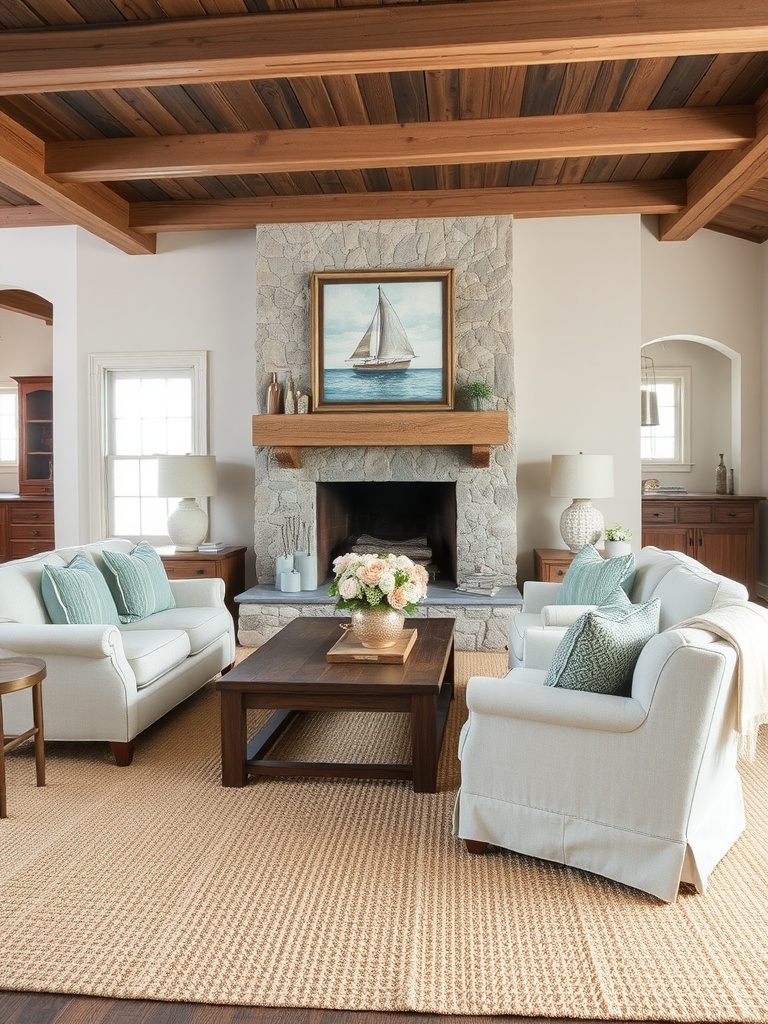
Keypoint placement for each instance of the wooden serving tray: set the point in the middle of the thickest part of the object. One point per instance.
(349, 648)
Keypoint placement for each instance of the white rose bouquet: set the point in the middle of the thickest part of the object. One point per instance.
(392, 582)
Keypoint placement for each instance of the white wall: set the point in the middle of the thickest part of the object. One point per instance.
(577, 341)
(198, 292)
(710, 286)
(588, 292)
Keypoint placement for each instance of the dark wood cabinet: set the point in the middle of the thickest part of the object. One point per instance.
(35, 435)
(551, 564)
(719, 530)
(26, 526)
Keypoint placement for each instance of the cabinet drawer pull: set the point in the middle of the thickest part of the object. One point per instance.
(35, 515)
(35, 533)
(200, 572)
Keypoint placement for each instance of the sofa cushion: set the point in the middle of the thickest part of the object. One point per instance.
(203, 626)
(592, 579)
(599, 651)
(20, 597)
(691, 589)
(77, 594)
(153, 652)
(138, 582)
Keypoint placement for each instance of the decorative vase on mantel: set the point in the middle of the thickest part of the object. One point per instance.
(377, 627)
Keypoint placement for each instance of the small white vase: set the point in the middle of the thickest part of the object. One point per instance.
(614, 548)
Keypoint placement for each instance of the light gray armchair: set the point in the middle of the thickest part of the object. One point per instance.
(642, 789)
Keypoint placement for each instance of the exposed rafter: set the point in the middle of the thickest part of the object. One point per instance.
(403, 145)
(33, 216)
(94, 207)
(555, 201)
(718, 181)
(494, 33)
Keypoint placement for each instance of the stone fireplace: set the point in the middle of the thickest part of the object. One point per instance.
(470, 512)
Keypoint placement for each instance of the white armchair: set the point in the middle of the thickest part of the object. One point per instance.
(641, 789)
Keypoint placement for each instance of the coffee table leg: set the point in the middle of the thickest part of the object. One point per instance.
(37, 718)
(233, 739)
(424, 742)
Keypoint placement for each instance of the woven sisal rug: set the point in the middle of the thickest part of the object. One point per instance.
(154, 882)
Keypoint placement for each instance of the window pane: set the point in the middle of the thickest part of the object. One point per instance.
(150, 414)
(127, 512)
(8, 426)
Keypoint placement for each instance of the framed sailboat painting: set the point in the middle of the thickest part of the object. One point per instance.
(382, 340)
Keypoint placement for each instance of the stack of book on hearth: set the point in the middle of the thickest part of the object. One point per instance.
(482, 581)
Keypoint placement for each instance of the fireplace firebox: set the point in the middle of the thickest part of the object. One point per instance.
(392, 512)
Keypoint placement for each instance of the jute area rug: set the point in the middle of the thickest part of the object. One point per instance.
(154, 882)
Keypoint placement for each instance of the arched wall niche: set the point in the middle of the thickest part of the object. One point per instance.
(715, 406)
(26, 347)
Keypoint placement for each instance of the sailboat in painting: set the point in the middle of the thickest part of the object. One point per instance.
(385, 345)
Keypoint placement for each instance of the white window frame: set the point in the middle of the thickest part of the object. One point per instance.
(9, 387)
(100, 365)
(681, 377)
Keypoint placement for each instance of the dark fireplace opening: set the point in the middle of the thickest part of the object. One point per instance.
(392, 512)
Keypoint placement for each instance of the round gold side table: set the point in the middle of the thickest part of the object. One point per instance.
(22, 674)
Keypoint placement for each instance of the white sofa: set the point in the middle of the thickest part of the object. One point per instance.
(106, 682)
(685, 587)
(642, 789)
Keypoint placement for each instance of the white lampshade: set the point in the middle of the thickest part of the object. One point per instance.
(187, 477)
(581, 477)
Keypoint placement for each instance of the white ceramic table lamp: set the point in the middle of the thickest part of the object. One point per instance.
(177, 477)
(581, 523)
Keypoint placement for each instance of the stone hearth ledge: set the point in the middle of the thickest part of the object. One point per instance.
(482, 623)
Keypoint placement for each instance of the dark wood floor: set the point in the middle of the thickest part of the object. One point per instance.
(40, 1008)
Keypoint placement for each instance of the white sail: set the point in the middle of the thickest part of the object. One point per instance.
(385, 345)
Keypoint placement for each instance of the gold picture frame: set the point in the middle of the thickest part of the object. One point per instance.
(368, 330)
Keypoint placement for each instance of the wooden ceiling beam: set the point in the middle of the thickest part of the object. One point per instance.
(537, 201)
(358, 40)
(397, 145)
(719, 180)
(94, 207)
(15, 300)
(33, 216)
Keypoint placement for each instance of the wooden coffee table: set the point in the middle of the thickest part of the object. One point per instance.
(289, 673)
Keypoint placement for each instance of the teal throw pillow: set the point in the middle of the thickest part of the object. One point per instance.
(77, 594)
(592, 579)
(138, 582)
(599, 651)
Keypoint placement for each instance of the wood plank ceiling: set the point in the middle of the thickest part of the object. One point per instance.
(130, 117)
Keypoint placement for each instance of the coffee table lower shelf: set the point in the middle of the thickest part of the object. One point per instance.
(291, 668)
(279, 721)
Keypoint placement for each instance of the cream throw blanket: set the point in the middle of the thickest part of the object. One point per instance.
(744, 625)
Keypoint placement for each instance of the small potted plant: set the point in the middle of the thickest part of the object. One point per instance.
(480, 394)
(617, 538)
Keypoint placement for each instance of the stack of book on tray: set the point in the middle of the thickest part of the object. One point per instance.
(211, 547)
(483, 582)
(668, 489)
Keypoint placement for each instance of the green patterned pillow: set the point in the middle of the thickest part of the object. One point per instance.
(592, 579)
(138, 582)
(77, 594)
(599, 651)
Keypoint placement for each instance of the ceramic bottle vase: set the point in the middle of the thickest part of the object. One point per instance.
(273, 395)
(721, 477)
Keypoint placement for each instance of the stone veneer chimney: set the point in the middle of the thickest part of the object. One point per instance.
(480, 251)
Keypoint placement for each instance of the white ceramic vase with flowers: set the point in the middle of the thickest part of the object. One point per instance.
(378, 591)
(617, 540)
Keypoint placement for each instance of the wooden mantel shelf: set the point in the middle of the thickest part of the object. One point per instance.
(288, 434)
